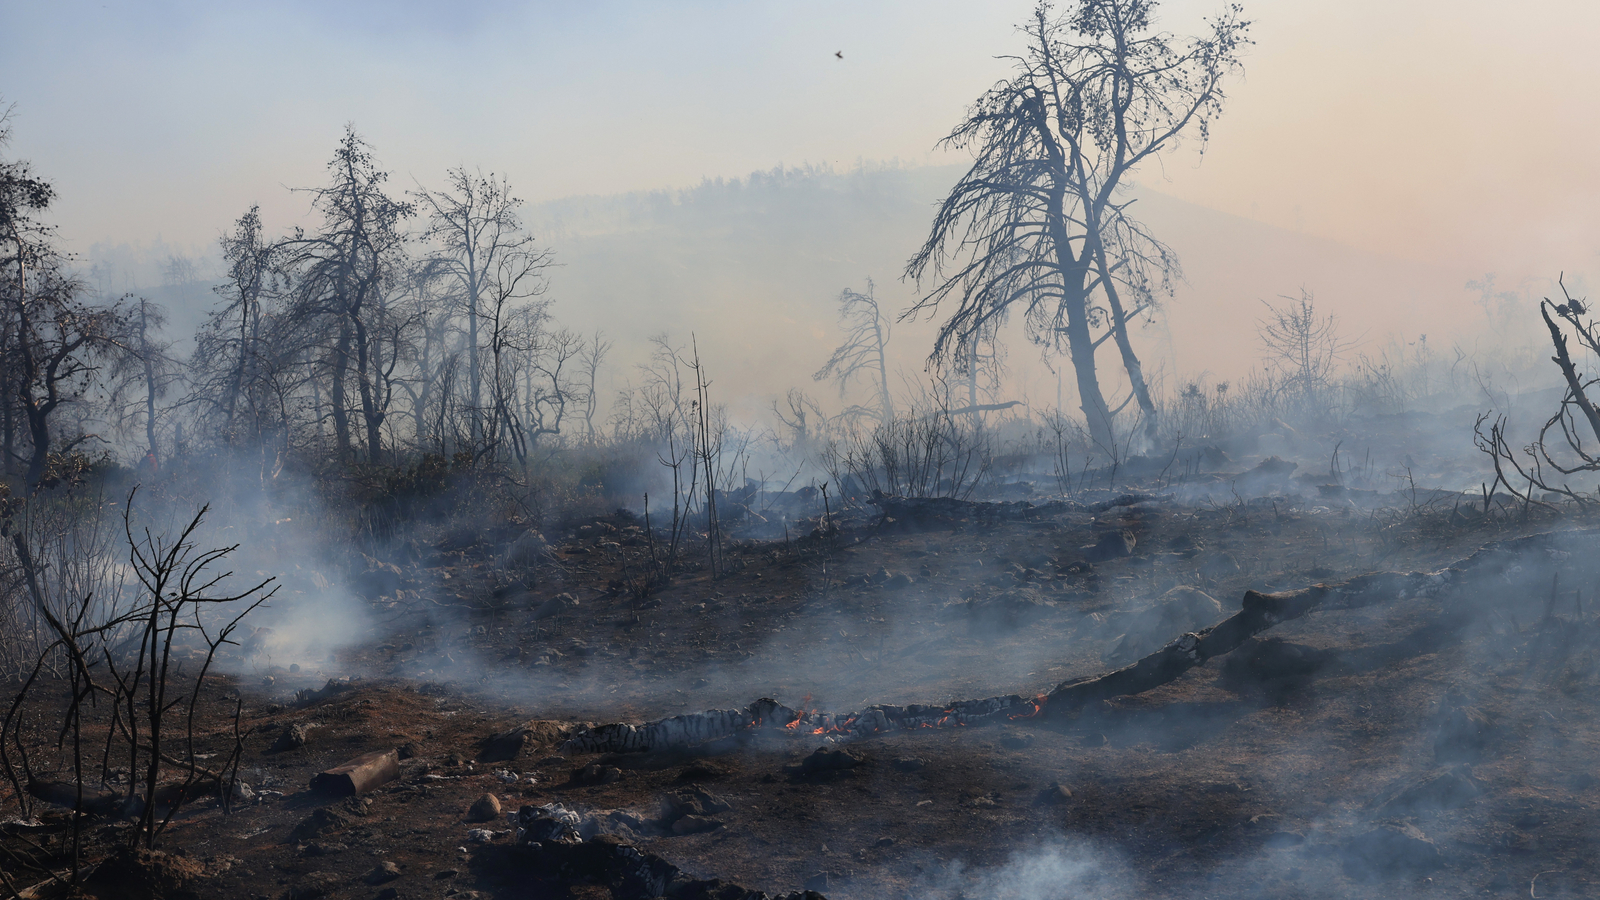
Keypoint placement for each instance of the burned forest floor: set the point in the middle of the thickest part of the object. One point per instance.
(1437, 745)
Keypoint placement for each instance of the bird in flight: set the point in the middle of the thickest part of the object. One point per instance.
(839, 53)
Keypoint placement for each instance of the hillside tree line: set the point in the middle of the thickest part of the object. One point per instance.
(396, 323)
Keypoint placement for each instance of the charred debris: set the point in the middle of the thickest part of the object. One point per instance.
(1425, 685)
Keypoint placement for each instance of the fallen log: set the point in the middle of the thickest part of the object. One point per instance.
(677, 731)
(1258, 612)
(982, 407)
(1130, 499)
(66, 794)
(98, 802)
(359, 775)
(700, 728)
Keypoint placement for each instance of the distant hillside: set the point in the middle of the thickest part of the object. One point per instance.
(754, 266)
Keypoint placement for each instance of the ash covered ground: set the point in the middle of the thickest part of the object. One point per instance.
(1418, 743)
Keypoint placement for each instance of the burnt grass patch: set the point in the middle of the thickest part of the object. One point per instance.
(1258, 774)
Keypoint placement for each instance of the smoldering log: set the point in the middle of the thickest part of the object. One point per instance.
(1259, 612)
(678, 731)
(699, 728)
(359, 775)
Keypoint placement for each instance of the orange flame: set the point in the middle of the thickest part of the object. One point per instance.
(1035, 707)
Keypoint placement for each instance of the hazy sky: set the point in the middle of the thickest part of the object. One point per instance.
(1453, 133)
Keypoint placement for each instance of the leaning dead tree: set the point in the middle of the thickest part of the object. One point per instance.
(1039, 221)
(1494, 563)
(1561, 448)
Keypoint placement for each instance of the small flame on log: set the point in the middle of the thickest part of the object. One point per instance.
(804, 714)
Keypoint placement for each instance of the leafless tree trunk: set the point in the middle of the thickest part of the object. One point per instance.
(1036, 221)
(590, 360)
(146, 362)
(863, 352)
(342, 272)
(249, 258)
(481, 245)
(339, 362)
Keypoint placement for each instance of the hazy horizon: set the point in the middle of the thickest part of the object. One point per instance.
(1378, 157)
(753, 266)
(1395, 130)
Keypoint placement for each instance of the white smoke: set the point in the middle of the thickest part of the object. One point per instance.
(1057, 870)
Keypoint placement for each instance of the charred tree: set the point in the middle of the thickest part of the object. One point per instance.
(341, 273)
(27, 242)
(1563, 444)
(591, 357)
(1036, 222)
(1303, 348)
(481, 246)
(57, 346)
(430, 361)
(144, 374)
(548, 388)
(229, 351)
(862, 353)
(52, 343)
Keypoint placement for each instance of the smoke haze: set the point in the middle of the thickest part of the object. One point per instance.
(1379, 157)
